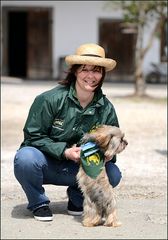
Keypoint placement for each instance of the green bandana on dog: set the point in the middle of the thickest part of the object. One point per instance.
(92, 159)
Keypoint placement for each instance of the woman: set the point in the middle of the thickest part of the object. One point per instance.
(57, 120)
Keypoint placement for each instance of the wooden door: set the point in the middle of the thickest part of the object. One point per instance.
(39, 64)
(118, 45)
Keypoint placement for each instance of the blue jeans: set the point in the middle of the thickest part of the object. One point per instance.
(33, 169)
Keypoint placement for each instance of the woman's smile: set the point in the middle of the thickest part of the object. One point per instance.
(91, 82)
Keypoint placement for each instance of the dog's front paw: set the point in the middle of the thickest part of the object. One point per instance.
(91, 222)
(113, 224)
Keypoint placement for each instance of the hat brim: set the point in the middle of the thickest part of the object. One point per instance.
(108, 63)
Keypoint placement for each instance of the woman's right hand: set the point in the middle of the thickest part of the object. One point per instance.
(73, 153)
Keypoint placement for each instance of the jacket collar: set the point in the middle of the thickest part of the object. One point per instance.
(98, 99)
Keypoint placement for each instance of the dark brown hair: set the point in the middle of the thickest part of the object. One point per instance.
(70, 78)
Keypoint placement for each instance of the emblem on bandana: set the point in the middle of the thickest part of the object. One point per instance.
(92, 159)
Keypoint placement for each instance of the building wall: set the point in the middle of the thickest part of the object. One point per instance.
(76, 22)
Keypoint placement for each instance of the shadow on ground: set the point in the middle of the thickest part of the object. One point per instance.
(21, 212)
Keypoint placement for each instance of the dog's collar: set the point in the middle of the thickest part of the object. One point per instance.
(92, 159)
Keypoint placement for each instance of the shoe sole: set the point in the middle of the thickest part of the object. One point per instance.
(43, 219)
(75, 213)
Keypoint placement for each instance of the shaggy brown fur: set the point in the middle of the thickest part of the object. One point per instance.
(99, 196)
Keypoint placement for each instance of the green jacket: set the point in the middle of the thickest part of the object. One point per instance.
(57, 121)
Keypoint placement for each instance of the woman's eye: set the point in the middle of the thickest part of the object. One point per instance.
(96, 71)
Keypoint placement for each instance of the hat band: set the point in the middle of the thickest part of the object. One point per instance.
(91, 55)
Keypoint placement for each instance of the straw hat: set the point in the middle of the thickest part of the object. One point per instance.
(91, 54)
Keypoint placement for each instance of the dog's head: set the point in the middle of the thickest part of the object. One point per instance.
(110, 139)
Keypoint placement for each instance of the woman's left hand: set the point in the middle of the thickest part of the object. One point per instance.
(108, 158)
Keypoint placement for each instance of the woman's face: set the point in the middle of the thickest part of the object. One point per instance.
(88, 77)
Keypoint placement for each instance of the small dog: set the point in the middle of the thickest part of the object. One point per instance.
(99, 196)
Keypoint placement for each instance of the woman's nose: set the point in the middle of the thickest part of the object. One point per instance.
(90, 73)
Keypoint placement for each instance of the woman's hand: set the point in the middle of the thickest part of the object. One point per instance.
(108, 158)
(73, 153)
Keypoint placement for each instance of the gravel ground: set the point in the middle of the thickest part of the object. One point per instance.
(142, 193)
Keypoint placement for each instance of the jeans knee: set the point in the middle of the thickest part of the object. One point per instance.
(26, 159)
(115, 180)
(113, 173)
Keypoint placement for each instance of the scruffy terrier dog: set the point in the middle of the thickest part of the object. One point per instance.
(99, 197)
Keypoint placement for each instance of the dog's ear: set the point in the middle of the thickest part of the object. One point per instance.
(103, 140)
(100, 138)
(113, 146)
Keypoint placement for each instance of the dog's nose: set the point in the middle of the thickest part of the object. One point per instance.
(125, 141)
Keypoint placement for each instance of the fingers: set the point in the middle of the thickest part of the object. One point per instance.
(73, 153)
(108, 158)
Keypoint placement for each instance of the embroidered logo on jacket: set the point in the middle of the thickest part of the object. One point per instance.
(58, 123)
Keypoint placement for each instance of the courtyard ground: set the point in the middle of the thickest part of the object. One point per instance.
(142, 193)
